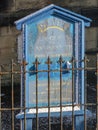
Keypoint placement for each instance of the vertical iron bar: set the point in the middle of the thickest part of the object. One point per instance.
(21, 94)
(85, 91)
(61, 119)
(37, 121)
(73, 60)
(12, 85)
(97, 93)
(49, 118)
(24, 78)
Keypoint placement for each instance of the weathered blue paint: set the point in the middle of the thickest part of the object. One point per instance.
(52, 10)
(82, 81)
(48, 40)
(51, 31)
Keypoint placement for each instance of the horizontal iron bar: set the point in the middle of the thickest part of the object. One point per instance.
(55, 70)
(22, 108)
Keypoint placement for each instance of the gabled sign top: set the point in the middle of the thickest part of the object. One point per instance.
(53, 10)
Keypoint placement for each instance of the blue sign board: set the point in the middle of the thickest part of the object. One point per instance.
(51, 37)
(53, 32)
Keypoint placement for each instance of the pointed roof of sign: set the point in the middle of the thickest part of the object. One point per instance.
(53, 10)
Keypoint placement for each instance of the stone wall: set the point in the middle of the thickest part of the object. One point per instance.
(16, 9)
(8, 44)
(13, 5)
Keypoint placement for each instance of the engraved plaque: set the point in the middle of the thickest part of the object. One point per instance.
(51, 37)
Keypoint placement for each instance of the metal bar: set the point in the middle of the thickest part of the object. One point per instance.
(61, 98)
(73, 93)
(24, 76)
(37, 120)
(55, 70)
(49, 114)
(85, 91)
(61, 118)
(12, 85)
(22, 108)
(21, 92)
(12, 72)
(97, 93)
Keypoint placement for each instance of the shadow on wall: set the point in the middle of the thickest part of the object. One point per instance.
(4, 4)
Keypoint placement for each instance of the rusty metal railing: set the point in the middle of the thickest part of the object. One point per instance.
(10, 83)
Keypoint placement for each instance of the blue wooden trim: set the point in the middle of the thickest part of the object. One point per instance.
(82, 83)
(24, 57)
(27, 59)
(28, 124)
(81, 44)
(56, 13)
(67, 15)
(51, 10)
(53, 114)
(73, 14)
